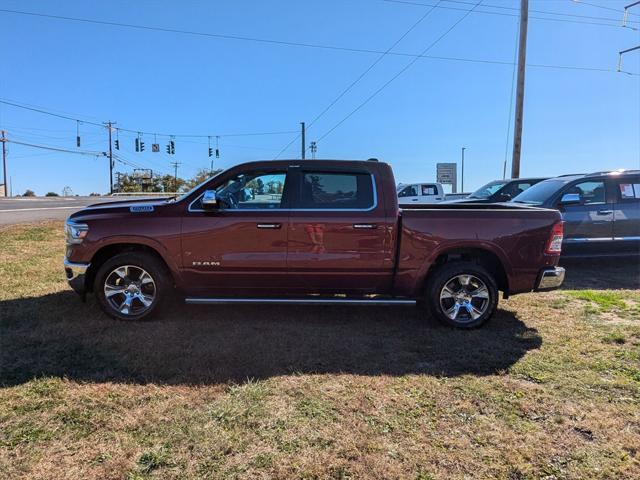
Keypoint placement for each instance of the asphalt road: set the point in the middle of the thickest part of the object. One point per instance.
(16, 210)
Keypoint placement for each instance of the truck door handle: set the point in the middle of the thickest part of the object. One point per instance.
(605, 212)
(365, 226)
(414, 199)
(273, 226)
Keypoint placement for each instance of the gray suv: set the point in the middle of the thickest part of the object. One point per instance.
(601, 211)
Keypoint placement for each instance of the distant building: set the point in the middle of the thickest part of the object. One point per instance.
(2, 189)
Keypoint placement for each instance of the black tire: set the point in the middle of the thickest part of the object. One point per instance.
(132, 262)
(462, 304)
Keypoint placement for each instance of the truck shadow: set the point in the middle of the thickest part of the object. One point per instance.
(56, 335)
(601, 273)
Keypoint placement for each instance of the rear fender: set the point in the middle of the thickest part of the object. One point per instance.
(423, 272)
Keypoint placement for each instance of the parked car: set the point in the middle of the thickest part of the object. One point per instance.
(601, 211)
(500, 190)
(420, 193)
(328, 232)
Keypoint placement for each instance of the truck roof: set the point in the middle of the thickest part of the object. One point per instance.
(316, 163)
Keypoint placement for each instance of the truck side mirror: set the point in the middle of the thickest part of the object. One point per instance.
(570, 199)
(210, 200)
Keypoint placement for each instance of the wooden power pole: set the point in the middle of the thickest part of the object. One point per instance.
(4, 163)
(522, 58)
(302, 134)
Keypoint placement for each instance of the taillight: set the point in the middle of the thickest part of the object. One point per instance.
(554, 245)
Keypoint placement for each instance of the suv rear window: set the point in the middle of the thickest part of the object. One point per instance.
(328, 190)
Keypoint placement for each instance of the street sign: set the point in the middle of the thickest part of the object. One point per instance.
(447, 174)
(155, 147)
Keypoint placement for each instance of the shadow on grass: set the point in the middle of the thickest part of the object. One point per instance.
(57, 335)
(601, 273)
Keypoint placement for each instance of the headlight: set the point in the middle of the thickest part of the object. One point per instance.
(75, 232)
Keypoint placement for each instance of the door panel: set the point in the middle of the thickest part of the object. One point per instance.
(339, 237)
(588, 226)
(626, 224)
(242, 246)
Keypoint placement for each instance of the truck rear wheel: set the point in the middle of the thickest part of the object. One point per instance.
(462, 294)
(130, 286)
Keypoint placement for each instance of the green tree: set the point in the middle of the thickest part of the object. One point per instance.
(29, 193)
(52, 194)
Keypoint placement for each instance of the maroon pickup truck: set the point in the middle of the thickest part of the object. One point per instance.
(312, 232)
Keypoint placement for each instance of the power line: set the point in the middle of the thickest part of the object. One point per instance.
(404, 69)
(361, 76)
(57, 149)
(502, 7)
(580, 2)
(286, 43)
(47, 112)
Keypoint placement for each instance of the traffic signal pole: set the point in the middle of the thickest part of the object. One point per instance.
(109, 124)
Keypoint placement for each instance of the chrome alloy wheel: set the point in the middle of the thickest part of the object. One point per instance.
(129, 290)
(464, 298)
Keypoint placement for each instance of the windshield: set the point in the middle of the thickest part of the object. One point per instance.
(540, 192)
(177, 198)
(487, 190)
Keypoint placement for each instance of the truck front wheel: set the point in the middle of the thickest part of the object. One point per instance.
(130, 285)
(462, 294)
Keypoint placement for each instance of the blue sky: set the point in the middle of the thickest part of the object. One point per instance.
(575, 120)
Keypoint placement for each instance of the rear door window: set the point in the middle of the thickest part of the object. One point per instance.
(628, 189)
(429, 190)
(336, 191)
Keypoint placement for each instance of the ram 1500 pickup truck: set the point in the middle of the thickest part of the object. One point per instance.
(312, 232)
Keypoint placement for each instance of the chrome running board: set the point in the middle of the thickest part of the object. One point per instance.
(299, 301)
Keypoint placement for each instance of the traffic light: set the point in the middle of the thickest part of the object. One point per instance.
(137, 144)
(77, 140)
(173, 147)
(217, 153)
(169, 148)
(210, 151)
(141, 146)
(117, 142)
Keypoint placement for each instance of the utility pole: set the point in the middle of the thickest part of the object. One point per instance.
(303, 141)
(4, 162)
(175, 176)
(522, 57)
(109, 124)
(626, 12)
(462, 176)
(622, 53)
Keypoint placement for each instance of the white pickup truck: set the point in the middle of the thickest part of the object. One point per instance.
(419, 193)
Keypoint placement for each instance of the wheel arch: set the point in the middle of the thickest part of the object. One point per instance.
(106, 252)
(484, 256)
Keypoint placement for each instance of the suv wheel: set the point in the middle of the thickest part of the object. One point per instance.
(130, 286)
(462, 294)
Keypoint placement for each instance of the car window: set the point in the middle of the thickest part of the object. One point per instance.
(487, 190)
(592, 191)
(516, 188)
(410, 191)
(628, 189)
(429, 190)
(326, 190)
(252, 190)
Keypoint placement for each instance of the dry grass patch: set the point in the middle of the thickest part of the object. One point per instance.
(549, 389)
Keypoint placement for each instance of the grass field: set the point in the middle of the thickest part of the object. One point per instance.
(550, 388)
